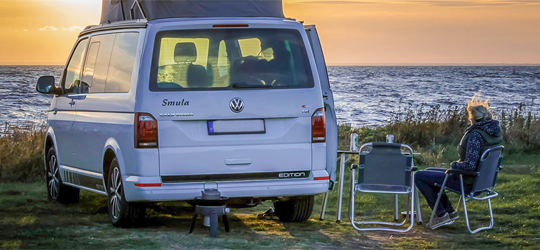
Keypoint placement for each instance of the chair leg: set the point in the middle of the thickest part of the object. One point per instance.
(351, 195)
(396, 208)
(226, 223)
(325, 201)
(433, 213)
(351, 205)
(341, 182)
(193, 221)
(466, 214)
(459, 203)
(418, 212)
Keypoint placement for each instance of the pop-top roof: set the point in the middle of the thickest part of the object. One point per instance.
(119, 10)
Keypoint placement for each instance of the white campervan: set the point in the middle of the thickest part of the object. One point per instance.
(166, 96)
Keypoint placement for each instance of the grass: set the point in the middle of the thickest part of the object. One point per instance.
(28, 220)
(21, 155)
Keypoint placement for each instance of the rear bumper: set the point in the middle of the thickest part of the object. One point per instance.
(231, 189)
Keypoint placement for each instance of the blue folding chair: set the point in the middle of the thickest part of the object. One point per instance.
(483, 184)
(385, 169)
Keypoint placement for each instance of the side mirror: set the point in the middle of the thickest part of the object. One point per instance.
(45, 85)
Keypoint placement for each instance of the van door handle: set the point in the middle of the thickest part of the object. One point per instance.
(72, 102)
(240, 161)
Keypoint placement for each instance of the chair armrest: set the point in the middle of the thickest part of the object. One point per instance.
(463, 172)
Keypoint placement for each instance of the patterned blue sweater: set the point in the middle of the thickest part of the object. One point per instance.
(475, 143)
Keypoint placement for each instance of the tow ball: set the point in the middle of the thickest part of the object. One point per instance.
(211, 205)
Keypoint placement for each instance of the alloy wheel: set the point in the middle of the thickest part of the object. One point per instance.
(53, 177)
(114, 193)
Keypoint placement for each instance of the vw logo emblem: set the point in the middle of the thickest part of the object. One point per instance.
(236, 105)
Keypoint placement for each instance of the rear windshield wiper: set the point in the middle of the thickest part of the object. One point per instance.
(242, 85)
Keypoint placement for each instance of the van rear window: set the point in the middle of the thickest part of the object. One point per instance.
(229, 59)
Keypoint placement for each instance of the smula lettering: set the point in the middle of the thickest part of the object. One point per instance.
(166, 102)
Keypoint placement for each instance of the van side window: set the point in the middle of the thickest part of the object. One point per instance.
(89, 66)
(73, 71)
(97, 63)
(121, 63)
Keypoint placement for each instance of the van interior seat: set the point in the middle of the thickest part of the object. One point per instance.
(246, 69)
(185, 54)
(250, 68)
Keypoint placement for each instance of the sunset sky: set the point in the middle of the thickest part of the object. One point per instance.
(360, 32)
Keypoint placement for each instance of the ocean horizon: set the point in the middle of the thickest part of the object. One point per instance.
(364, 95)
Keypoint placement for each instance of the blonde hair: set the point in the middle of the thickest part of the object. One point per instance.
(478, 110)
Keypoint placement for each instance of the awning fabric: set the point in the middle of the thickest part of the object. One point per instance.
(159, 9)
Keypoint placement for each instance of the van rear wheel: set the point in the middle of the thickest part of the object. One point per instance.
(296, 209)
(122, 213)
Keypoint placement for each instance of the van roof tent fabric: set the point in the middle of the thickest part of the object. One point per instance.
(159, 9)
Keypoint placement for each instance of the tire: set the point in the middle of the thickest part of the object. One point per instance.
(296, 209)
(123, 214)
(56, 191)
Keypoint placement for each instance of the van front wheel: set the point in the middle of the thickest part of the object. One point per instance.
(56, 190)
(122, 213)
(296, 209)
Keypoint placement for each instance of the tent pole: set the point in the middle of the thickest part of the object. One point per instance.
(136, 2)
(122, 6)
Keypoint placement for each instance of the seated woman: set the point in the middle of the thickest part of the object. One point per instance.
(484, 132)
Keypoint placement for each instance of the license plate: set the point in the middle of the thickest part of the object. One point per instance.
(224, 127)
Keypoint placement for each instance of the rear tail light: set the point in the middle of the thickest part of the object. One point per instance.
(318, 126)
(148, 184)
(321, 178)
(146, 131)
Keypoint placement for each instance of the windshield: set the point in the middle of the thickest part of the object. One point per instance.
(229, 59)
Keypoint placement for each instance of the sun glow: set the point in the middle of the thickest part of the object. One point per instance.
(352, 31)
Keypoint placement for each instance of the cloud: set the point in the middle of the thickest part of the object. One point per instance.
(72, 28)
(48, 28)
(25, 30)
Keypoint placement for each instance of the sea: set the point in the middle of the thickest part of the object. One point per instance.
(364, 95)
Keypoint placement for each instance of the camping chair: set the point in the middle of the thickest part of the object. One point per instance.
(483, 184)
(386, 170)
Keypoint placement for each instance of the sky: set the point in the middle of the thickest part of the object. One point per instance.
(353, 32)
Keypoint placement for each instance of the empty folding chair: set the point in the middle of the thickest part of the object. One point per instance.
(384, 169)
(483, 184)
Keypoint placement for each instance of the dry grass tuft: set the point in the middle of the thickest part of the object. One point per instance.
(21, 155)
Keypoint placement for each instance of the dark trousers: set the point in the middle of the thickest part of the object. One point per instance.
(425, 182)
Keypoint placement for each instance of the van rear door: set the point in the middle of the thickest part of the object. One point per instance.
(233, 104)
(328, 97)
